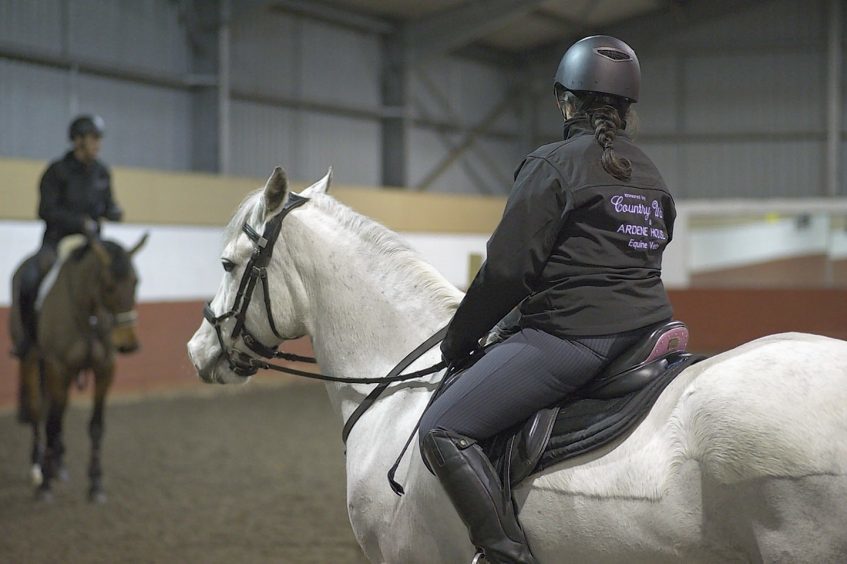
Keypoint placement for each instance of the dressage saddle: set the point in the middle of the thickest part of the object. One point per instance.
(605, 408)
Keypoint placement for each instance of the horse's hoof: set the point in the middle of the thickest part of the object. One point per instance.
(97, 496)
(44, 496)
(63, 475)
(36, 477)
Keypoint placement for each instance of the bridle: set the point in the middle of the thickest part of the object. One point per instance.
(256, 270)
(245, 365)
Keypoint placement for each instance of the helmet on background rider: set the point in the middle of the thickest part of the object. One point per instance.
(601, 64)
(83, 125)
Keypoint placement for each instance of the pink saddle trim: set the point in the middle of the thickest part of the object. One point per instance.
(675, 340)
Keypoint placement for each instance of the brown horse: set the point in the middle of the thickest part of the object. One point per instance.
(86, 316)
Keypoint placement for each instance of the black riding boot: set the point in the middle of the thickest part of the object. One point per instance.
(473, 486)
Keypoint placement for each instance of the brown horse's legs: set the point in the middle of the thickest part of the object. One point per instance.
(29, 387)
(58, 384)
(102, 381)
(30, 409)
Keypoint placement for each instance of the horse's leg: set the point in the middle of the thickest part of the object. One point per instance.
(31, 385)
(57, 385)
(102, 380)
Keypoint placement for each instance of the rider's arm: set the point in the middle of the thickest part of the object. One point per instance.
(50, 206)
(517, 253)
(111, 210)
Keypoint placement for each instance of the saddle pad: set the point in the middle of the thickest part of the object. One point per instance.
(65, 247)
(585, 424)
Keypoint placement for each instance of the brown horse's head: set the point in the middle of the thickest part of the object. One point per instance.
(118, 281)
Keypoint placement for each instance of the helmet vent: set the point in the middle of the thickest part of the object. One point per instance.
(613, 54)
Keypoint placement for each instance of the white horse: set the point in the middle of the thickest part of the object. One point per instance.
(743, 457)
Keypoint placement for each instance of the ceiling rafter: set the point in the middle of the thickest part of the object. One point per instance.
(457, 27)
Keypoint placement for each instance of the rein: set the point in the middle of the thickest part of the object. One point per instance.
(246, 365)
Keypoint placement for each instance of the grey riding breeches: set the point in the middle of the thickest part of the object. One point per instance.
(528, 371)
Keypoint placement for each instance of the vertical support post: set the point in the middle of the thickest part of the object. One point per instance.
(224, 89)
(834, 94)
(73, 72)
(204, 22)
(396, 121)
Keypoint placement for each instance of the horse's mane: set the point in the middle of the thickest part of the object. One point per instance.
(120, 265)
(407, 262)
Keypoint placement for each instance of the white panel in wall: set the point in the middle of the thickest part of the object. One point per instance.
(146, 126)
(340, 65)
(135, 33)
(266, 53)
(786, 169)
(34, 110)
(182, 263)
(31, 23)
(738, 245)
(755, 92)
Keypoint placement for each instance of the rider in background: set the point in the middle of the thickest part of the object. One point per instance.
(579, 249)
(76, 192)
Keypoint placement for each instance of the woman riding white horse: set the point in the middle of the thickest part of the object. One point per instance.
(580, 248)
(742, 458)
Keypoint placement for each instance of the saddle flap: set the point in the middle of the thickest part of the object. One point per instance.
(529, 443)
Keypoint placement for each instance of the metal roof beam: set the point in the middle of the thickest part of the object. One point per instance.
(646, 29)
(316, 11)
(456, 27)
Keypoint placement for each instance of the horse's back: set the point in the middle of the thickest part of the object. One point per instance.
(772, 407)
(738, 459)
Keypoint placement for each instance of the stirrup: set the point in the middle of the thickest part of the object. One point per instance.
(479, 558)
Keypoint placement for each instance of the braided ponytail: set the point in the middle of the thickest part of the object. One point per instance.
(606, 122)
(604, 112)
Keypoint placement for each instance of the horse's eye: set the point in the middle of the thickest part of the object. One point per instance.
(228, 264)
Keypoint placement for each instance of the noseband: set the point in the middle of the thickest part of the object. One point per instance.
(246, 365)
(256, 270)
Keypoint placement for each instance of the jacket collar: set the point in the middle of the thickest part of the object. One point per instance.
(579, 126)
(576, 126)
(75, 163)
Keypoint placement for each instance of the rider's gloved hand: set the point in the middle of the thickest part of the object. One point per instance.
(456, 351)
(89, 227)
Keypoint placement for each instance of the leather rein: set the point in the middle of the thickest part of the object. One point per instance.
(245, 365)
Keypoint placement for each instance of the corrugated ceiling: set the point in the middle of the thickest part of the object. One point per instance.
(551, 21)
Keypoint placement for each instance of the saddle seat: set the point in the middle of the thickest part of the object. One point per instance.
(627, 374)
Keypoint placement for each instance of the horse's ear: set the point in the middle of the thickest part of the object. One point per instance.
(140, 244)
(276, 189)
(321, 186)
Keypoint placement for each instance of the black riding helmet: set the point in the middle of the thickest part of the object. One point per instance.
(86, 124)
(600, 64)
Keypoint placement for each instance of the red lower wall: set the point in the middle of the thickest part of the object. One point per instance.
(719, 319)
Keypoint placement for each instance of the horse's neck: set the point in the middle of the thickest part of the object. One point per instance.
(369, 310)
(77, 282)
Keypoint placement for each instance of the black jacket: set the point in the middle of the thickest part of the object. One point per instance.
(72, 191)
(578, 249)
